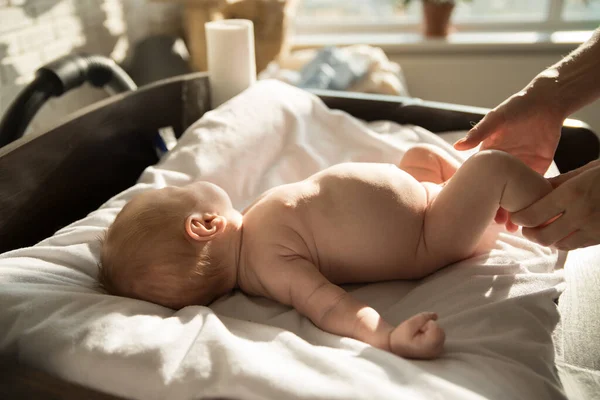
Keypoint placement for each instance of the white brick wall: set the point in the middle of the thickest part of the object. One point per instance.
(34, 32)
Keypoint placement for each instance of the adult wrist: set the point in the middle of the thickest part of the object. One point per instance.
(546, 91)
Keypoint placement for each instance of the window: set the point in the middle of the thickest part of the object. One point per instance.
(355, 16)
(580, 11)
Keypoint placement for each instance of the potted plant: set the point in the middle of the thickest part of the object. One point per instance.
(436, 16)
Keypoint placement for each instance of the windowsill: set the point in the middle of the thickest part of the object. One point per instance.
(394, 43)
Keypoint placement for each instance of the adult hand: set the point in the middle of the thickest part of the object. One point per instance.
(569, 216)
(526, 125)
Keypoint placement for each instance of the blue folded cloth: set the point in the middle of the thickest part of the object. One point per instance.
(332, 69)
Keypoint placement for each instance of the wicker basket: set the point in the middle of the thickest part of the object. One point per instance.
(271, 18)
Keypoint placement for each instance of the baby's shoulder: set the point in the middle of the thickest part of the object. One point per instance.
(275, 201)
(274, 220)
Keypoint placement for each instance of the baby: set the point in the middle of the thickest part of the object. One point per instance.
(350, 223)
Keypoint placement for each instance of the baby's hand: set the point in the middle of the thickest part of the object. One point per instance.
(418, 337)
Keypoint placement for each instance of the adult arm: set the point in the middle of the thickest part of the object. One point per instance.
(528, 123)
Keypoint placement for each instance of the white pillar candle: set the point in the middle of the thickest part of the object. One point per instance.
(231, 58)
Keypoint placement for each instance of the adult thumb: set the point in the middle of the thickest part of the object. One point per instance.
(488, 125)
(558, 180)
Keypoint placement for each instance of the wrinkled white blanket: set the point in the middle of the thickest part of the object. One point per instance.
(497, 309)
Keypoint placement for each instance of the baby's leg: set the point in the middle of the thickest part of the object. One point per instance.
(460, 214)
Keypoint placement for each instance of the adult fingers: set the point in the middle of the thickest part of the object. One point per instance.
(555, 231)
(558, 180)
(562, 178)
(541, 211)
(485, 128)
(577, 215)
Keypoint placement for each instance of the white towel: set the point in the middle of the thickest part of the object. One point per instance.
(497, 309)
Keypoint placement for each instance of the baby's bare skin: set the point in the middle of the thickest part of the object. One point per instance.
(373, 222)
(357, 223)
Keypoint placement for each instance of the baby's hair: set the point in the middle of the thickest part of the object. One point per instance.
(145, 255)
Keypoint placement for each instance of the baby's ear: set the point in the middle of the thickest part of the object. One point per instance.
(204, 227)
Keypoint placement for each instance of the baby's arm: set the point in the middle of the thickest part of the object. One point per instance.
(427, 163)
(334, 310)
(458, 217)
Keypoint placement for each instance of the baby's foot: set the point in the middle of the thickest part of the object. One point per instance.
(418, 337)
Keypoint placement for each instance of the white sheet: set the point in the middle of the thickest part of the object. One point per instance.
(497, 309)
(577, 338)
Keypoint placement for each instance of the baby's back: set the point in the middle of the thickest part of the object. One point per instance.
(357, 222)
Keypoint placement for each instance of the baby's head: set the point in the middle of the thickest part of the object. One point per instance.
(173, 246)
